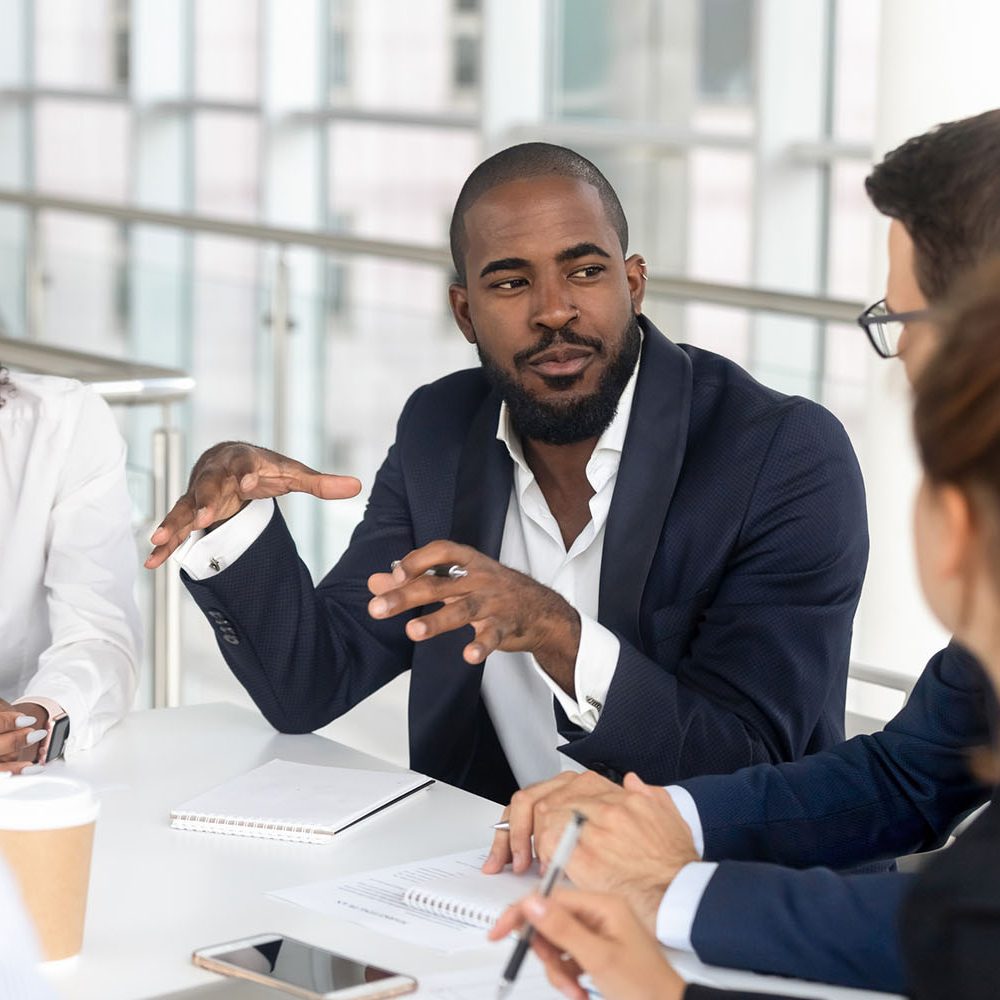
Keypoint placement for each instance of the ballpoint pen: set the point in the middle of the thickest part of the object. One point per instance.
(452, 571)
(564, 849)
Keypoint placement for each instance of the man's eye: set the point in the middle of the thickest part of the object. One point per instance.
(590, 271)
(509, 283)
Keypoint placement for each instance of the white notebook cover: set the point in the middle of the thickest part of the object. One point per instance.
(285, 800)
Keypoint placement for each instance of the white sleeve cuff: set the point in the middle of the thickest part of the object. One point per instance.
(596, 662)
(206, 553)
(689, 813)
(679, 906)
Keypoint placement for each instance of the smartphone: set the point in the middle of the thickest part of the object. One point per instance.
(302, 969)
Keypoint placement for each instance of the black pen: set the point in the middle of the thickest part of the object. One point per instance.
(451, 571)
(567, 842)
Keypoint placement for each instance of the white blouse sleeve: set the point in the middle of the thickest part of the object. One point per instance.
(90, 666)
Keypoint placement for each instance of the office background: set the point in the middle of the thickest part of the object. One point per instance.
(302, 158)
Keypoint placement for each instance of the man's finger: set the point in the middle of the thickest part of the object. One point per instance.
(160, 553)
(330, 487)
(499, 856)
(521, 818)
(489, 636)
(455, 614)
(182, 513)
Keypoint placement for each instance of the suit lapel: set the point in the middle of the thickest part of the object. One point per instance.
(483, 483)
(466, 751)
(650, 465)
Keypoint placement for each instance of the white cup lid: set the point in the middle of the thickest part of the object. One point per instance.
(45, 802)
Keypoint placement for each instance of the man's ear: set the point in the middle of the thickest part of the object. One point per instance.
(458, 296)
(959, 543)
(635, 274)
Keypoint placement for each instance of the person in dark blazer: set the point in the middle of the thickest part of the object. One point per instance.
(639, 557)
(764, 906)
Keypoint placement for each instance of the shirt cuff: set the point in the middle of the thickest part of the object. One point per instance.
(206, 553)
(679, 906)
(596, 662)
(689, 813)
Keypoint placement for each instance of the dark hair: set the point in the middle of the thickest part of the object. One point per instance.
(530, 159)
(4, 382)
(944, 187)
(956, 421)
(956, 413)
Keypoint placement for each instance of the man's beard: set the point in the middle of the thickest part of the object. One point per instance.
(577, 419)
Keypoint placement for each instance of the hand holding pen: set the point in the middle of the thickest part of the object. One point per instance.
(453, 586)
(592, 933)
(552, 875)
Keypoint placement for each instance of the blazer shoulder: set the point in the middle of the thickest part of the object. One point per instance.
(724, 391)
(444, 409)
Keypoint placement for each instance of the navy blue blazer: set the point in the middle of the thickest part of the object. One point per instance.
(874, 797)
(949, 923)
(733, 558)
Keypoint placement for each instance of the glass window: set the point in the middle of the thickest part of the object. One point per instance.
(466, 61)
(725, 50)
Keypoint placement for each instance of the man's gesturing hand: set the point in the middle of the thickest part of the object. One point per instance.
(229, 475)
(507, 609)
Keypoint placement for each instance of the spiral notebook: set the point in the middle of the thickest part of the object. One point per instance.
(467, 895)
(285, 800)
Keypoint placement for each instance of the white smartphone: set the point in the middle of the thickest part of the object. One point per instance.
(301, 969)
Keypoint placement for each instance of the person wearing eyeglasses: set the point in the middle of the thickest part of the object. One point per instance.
(726, 866)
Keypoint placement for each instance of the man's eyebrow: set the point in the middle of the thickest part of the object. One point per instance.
(503, 264)
(582, 250)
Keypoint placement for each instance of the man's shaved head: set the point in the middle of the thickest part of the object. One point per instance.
(530, 159)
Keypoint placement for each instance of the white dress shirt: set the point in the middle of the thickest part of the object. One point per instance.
(517, 692)
(679, 906)
(69, 626)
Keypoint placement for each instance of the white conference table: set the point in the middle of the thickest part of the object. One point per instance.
(156, 893)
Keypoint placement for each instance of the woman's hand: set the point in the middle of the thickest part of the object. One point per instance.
(586, 932)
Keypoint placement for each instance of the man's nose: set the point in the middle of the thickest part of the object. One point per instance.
(553, 305)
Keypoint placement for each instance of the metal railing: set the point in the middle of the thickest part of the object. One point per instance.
(126, 383)
(822, 308)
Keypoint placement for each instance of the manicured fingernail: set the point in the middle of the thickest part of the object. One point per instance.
(24, 720)
(418, 630)
(246, 482)
(32, 769)
(377, 608)
(36, 736)
(398, 573)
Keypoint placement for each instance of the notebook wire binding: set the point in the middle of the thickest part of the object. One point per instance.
(248, 826)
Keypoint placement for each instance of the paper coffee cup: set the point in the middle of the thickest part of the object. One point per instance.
(46, 836)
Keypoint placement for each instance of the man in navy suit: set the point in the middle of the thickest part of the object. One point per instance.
(599, 549)
(720, 842)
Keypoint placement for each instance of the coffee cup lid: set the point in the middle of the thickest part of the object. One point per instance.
(45, 802)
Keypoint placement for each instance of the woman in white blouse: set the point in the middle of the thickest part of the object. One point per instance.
(69, 626)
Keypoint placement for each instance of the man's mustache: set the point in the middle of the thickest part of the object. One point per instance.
(564, 334)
